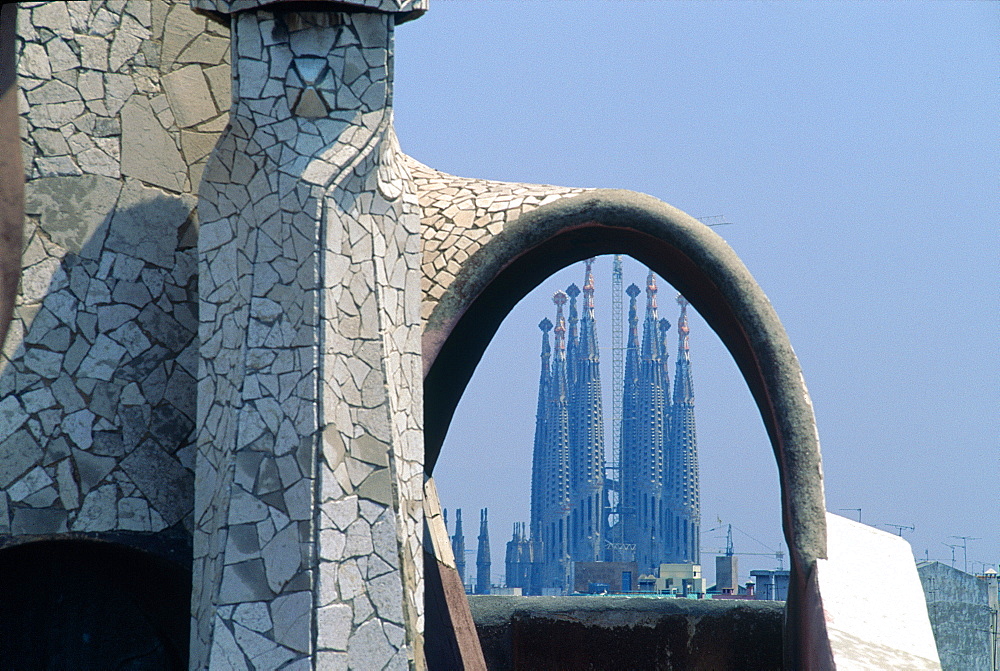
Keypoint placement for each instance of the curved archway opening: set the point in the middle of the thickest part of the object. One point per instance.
(704, 269)
(83, 604)
(486, 458)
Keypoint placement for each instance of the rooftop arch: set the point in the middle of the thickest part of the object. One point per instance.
(697, 262)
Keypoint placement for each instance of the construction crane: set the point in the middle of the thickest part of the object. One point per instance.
(729, 552)
(617, 382)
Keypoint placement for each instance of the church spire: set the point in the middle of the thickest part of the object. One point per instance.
(684, 448)
(650, 330)
(483, 564)
(458, 546)
(555, 532)
(586, 437)
(539, 451)
(573, 333)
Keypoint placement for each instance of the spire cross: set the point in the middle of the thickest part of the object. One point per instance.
(682, 323)
(588, 283)
(651, 290)
(560, 300)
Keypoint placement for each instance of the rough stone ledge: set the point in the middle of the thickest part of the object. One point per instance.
(624, 632)
(172, 544)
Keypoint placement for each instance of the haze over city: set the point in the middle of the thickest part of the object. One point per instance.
(853, 147)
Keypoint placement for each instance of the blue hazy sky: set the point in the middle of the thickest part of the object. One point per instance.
(855, 147)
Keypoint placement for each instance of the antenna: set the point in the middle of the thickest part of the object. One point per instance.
(715, 220)
(965, 549)
(901, 527)
(952, 552)
(857, 510)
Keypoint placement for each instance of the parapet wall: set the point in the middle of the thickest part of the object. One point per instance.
(620, 632)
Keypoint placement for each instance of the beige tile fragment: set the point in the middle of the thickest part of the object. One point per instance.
(206, 49)
(196, 146)
(189, 96)
(181, 27)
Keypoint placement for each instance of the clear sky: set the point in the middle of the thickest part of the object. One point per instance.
(854, 145)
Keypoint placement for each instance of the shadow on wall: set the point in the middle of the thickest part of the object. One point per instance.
(91, 605)
(98, 399)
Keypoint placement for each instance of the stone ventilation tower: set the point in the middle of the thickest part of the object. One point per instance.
(483, 564)
(586, 431)
(683, 457)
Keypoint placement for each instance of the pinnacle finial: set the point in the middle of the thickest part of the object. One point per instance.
(572, 290)
(545, 325)
(682, 324)
(560, 300)
(633, 291)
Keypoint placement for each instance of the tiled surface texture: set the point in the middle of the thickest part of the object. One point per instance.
(460, 215)
(97, 377)
(239, 363)
(310, 470)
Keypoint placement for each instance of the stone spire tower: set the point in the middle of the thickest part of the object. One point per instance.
(518, 560)
(483, 564)
(555, 485)
(540, 459)
(586, 432)
(647, 469)
(684, 485)
(458, 545)
(572, 335)
(629, 502)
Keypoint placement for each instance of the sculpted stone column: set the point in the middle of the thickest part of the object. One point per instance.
(308, 512)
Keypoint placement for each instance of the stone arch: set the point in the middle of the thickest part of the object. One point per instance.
(700, 265)
(81, 603)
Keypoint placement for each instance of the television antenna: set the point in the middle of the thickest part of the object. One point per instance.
(965, 549)
(856, 510)
(901, 527)
(715, 220)
(952, 552)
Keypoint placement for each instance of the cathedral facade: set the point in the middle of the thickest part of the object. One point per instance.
(647, 508)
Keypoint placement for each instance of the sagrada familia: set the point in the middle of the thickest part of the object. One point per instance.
(647, 508)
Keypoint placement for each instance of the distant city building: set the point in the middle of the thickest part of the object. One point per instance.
(963, 614)
(596, 577)
(771, 585)
(675, 579)
(649, 512)
(727, 574)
